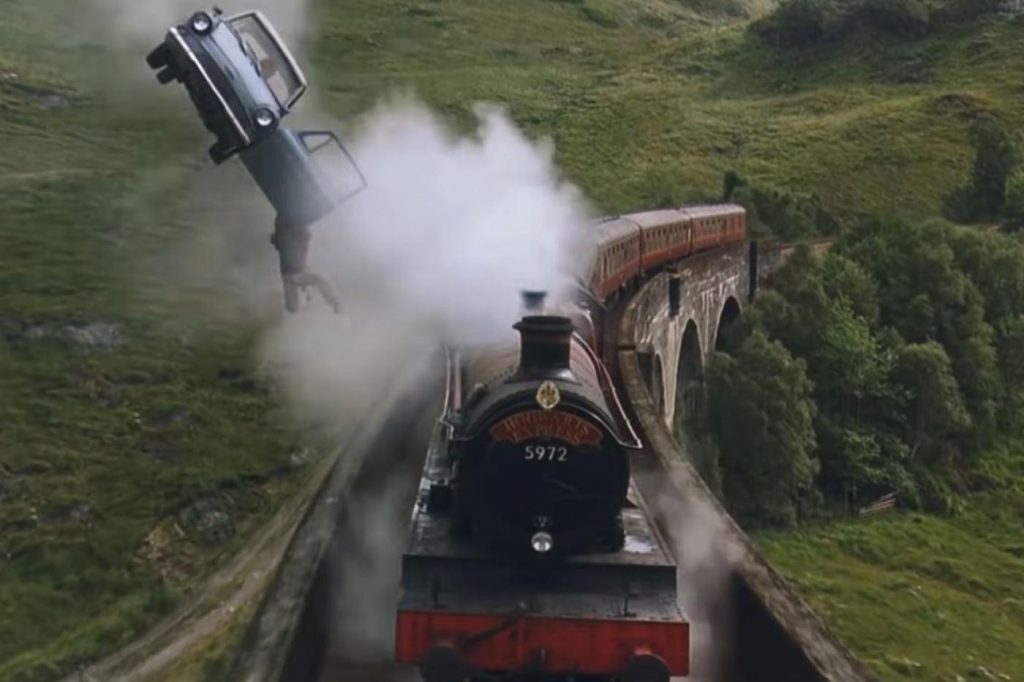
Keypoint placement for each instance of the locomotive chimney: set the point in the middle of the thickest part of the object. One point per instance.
(533, 302)
(544, 343)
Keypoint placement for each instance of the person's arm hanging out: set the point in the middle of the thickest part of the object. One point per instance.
(292, 243)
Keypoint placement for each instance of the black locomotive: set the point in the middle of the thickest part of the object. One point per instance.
(538, 452)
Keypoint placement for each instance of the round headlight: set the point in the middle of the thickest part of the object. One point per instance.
(201, 23)
(542, 542)
(265, 118)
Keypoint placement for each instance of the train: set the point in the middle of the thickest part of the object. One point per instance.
(531, 551)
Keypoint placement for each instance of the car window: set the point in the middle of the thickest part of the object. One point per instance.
(334, 161)
(269, 57)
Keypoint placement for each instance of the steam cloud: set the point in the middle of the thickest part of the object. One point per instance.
(143, 22)
(705, 558)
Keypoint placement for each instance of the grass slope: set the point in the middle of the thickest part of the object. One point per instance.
(102, 447)
(919, 597)
(654, 93)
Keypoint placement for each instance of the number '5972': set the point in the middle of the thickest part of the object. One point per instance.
(546, 453)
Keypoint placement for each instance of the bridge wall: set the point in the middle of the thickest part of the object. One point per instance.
(775, 633)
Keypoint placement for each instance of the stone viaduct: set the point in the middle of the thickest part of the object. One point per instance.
(682, 311)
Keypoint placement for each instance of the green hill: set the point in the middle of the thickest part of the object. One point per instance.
(118, 421)
(651, 94)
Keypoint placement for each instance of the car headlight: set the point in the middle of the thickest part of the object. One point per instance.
(265, 118)
(542, 542)
(201, 23)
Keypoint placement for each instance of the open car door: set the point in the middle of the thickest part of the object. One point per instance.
(305, 175)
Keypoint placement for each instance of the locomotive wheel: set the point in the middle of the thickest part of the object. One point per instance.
(159, 56)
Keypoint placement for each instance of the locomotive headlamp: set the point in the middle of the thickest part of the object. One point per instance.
(542, 542)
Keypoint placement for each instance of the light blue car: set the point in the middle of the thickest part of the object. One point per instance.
(243, 81)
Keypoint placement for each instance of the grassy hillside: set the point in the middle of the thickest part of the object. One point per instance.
(121, 423)
(653, 94)
(133, 451)
(920, 597)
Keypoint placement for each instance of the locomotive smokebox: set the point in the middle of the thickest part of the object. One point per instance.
(545, 341)
(533, 302)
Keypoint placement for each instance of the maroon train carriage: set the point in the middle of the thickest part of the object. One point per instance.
(530, 550)
(617, 260)
(630, 245)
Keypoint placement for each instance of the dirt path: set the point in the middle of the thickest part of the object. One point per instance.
(234, 587)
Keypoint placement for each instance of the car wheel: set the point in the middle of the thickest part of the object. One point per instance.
(160, 56)
(167, 75)
(201, 23)
(219, 153)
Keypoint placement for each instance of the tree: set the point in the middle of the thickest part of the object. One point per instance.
(995, 158)
(761, 417)
(936, 410)
(1013, 208)
(843, 278)
(926, 296)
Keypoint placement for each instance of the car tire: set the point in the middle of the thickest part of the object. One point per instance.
(167, 75)
(219, 153)
(159, 57)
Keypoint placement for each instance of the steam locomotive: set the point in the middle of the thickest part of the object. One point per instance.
(531, 551)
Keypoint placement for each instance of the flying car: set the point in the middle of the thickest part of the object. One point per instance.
(241, 76)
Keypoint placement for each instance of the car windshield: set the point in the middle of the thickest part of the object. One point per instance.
(270, 58)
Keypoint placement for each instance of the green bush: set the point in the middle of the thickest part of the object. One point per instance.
(780, 212)
(996, 157)
(599, 16)
(902, 17)
(799, 23)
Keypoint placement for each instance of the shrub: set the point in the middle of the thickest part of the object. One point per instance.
(600, 16)
(995, 161)
(800, 22)
(902, 17)
(773, 210)
(797, 23)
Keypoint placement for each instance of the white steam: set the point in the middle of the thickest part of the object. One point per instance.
(705, 556)
(146, 21)
(452, 228)
(436, 249)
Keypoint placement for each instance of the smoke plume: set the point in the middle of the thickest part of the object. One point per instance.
(143, 22)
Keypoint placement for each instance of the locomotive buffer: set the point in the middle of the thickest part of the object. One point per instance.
(468, 611)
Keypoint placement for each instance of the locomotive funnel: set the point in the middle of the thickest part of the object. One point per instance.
(544, 345)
